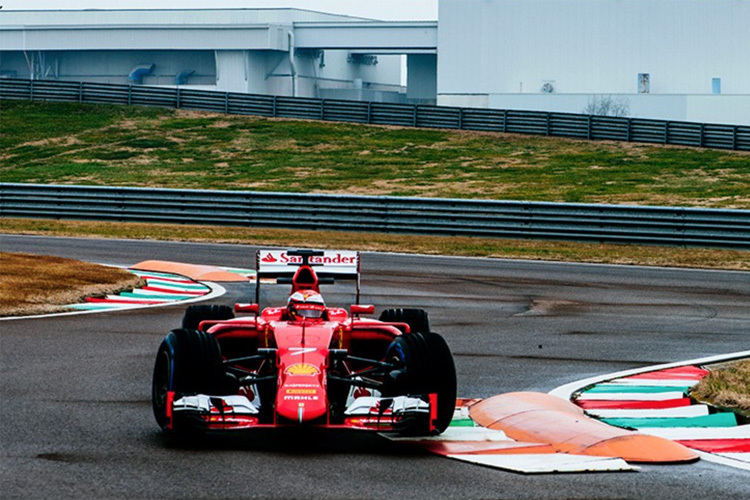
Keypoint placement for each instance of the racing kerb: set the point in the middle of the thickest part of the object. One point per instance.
(718, 228)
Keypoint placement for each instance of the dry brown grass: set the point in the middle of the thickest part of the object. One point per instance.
(727, 386)
(36, 284)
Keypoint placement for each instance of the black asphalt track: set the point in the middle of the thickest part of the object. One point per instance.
(75, 391)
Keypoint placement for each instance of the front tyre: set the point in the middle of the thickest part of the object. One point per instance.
(187, 362)
(425, 366)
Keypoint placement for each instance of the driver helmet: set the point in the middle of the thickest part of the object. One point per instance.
(305, 304)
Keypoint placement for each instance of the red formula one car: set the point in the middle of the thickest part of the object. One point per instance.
(304, 364)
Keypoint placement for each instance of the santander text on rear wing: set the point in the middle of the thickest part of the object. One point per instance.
(329, 265)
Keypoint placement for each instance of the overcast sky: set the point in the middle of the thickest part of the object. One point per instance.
(407, 10)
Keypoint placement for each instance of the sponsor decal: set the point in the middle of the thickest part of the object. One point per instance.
(330, 258)
(302, 369)
(301, 391)
(269, 258)
(336, 258)
(301, 398)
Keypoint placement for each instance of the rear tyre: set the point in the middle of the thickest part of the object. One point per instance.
(425, 366)
(187, 362)
(195, 314)
(417, 319)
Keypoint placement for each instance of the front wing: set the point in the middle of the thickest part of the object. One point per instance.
(237, 412)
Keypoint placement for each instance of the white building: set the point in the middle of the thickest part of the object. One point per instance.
(265, 51)
(668, 59)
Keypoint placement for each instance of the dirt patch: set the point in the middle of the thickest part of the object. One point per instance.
(67, 140)
(143, 160)
(129, 124)
(221, 124)
(284, 145)
(190, 113)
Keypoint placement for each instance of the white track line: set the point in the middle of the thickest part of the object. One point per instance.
(546, 463)
(724, 459)
(690, 433)
(654, 382)
(631, 396)
(742, 457)
(679, 412)
(138, 291)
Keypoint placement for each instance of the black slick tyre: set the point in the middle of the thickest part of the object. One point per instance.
(425, 366)
(195, 314)
(417, 319)
(187, 362)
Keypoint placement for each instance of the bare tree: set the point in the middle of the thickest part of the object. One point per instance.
(607, 106)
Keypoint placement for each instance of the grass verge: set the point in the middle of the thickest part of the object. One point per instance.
(35, 284)
(727, 386)
(431, 245)
(68, 143)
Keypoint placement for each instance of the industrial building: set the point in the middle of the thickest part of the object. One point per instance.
(669, 59)
(264, 51)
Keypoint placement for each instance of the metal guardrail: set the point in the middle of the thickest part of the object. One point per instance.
(449, 217)
(495, 120)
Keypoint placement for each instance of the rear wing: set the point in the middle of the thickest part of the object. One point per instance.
(330, 265)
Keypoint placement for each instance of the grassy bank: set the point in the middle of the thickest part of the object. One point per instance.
(727, 386)
(36, 284)
(110, 145)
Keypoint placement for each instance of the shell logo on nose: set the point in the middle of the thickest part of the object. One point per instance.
(302, 369)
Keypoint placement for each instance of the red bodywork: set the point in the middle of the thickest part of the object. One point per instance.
(291, 368)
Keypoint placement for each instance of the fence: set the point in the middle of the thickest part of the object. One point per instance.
(495, 120)
(448, 217)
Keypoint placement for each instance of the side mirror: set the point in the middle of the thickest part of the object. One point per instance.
(357, 309)
(247, 308)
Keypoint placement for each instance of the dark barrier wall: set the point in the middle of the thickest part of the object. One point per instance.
(487, 218)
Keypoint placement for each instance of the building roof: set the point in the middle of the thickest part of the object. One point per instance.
(168, 16)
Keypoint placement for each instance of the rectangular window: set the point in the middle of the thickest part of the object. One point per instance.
(644, 83)
(716, 85)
